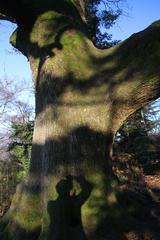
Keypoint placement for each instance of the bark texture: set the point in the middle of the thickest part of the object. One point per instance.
(83, 95)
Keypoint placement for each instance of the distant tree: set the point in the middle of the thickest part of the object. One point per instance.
(11, 105)
(139, 135)
(134, 132)
(21, 133)
(16, 139)
(14, 164)
(12, 109)
(98, 14)
(20, 147)
(9, 91)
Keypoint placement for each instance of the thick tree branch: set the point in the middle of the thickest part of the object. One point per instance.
(13, 11)
(8, 10)
(135, 79)
(7, 18)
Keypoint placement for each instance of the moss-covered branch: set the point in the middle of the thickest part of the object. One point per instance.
(136, 78)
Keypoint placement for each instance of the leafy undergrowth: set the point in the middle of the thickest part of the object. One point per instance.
(139, 198)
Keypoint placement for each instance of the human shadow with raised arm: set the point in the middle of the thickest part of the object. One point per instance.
(65, 211)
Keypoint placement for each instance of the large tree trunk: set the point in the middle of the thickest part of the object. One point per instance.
(83, 95)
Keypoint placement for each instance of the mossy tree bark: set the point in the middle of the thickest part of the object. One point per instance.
(83, 95)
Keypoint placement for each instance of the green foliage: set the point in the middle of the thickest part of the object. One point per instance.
(20, 146)
(15, 167)
(22, 132)
(8, 180)
(102, 14)
(139, 136)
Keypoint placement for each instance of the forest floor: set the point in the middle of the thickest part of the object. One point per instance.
(139, 197)
(147, 219)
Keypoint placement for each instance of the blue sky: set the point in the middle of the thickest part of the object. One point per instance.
(14, 65)
(138, 14)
